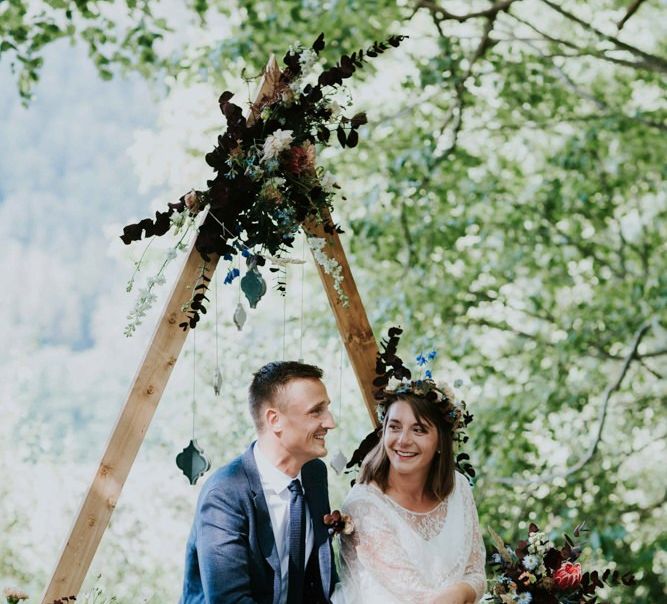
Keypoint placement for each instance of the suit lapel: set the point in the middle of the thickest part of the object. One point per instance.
(267, 543)
(316, 498)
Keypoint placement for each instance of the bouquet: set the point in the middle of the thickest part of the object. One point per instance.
(538, 572)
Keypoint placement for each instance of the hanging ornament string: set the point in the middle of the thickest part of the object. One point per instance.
(340, 391)
(217, 377)
(339, 461)
(303, 266)
(192, 460)
(285, 316)
(194, 380)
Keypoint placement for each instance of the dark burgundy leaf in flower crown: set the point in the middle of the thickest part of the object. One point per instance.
(364, 448)
(403, 373)
(352, 139)
(394, 332)
(533, 528)
(224, 98)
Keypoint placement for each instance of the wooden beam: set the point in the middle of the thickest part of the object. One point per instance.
(136, 414)
(352, 322)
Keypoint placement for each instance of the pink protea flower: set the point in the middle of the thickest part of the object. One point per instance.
(568, 575)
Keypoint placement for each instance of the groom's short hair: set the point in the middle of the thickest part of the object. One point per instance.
(269, 379)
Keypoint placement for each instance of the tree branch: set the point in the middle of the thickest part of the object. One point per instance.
(632, 9)
(440, 14)
(604, 407)
(652, 62)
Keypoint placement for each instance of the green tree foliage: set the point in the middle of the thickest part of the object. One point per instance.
(114, 34)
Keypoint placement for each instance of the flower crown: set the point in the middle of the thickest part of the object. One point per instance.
(394, 380)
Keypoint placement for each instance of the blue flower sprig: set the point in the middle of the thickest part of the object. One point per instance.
(423, 360)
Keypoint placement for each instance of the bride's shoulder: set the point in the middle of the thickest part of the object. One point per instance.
(462, 485)
(363, 493)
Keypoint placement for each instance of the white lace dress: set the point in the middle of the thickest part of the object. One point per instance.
(396, 556)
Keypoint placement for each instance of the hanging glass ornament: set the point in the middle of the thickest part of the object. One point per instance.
(253, 286)
(338, 461)
(240, 316)
(193, 462)
(217, 381)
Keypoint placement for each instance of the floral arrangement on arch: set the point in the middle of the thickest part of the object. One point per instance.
(267, 182)
(537, 572)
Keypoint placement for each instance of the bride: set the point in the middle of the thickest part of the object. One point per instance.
(416, 536)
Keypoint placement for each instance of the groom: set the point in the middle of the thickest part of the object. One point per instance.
(258, 536)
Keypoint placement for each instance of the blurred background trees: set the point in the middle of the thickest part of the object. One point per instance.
(506, 205)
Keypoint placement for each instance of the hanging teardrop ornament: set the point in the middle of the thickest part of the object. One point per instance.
(217, 381)
(193, 462)
(240, 316)
(338, 461)
(253, 286)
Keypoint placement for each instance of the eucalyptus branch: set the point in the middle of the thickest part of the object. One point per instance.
(604, 407)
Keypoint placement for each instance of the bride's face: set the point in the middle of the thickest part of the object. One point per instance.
(410, 445)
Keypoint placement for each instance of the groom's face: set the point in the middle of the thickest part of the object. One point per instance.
(304, 418)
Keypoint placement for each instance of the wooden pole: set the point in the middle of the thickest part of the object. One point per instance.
(351, 319)
(135, 416)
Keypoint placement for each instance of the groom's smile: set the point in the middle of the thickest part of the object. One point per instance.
(305, 418)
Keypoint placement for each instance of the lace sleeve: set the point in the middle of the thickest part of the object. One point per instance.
(374, 548)
(474, 574)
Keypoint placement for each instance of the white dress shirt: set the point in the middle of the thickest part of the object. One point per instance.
(277, 495)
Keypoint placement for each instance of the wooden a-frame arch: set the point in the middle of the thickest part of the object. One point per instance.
(154, 371)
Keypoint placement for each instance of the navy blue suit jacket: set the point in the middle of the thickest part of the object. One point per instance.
(231, 555)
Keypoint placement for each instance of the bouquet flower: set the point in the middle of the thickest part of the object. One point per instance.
(537, 572)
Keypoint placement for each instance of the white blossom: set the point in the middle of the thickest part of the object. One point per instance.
(276, 143)
(335, 109)
(307, 60)
(330, 266)
(327, 182)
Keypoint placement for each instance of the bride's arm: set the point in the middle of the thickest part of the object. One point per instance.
(474, 575)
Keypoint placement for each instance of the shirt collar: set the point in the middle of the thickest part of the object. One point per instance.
(271, 477)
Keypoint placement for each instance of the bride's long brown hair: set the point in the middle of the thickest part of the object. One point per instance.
(441, 477)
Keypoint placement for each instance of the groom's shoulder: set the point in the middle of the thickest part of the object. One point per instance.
(315, 469)
(228, 478)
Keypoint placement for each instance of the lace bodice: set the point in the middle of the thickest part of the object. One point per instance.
(396, 556)
(427, 524)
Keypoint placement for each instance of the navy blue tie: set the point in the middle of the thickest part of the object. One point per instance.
(297, 543)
